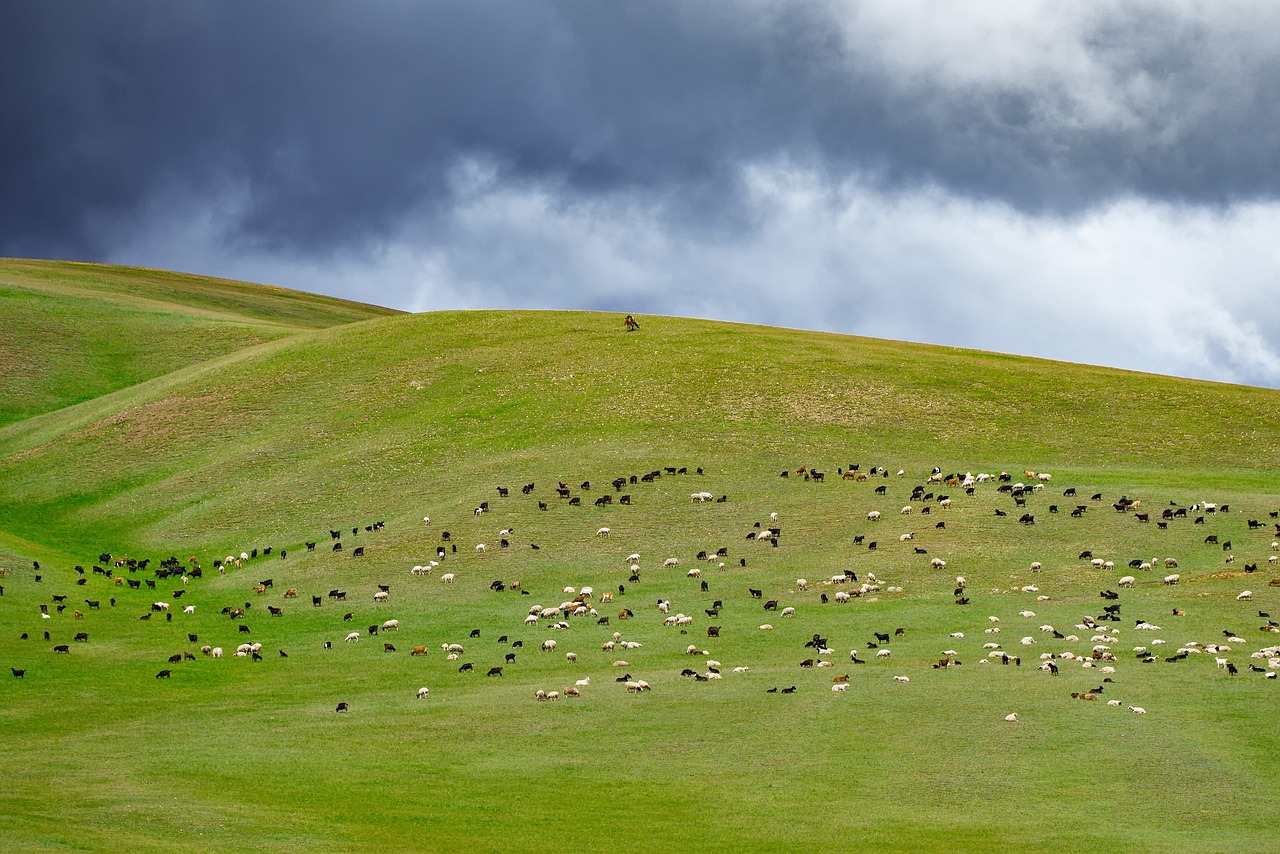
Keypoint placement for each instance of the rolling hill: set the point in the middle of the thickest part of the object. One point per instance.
(274, 420)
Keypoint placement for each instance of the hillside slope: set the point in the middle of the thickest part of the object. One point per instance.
(73, 332)
(331, 507)
(351, 419)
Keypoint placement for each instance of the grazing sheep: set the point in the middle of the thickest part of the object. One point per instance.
(381, 596)
(884, 653)
(1172, 579)
(670, 562)
(447, 578)
(217, 652)
(354, 637)
(873, 516)
(602, 532)
(391, 625)
(1245, 594)
(548, 645)
(1127, 581)
(802, 584)
(423, 692)
(906, 511)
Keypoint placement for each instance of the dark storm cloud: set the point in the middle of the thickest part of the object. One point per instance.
(333, 121)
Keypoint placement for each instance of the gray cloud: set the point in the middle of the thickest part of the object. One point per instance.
(861, 167)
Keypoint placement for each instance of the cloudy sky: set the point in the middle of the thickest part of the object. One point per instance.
(1082, 181)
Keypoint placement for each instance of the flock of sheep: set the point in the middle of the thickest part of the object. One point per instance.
(1092, 643)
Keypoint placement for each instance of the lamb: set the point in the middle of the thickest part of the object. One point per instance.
(447, 578)
(840, 686)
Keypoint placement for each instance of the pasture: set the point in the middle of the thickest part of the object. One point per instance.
(395, 419)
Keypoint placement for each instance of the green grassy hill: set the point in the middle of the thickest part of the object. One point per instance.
(73, 332)
(288, 439)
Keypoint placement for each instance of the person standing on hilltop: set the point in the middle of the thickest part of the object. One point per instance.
(631, 324)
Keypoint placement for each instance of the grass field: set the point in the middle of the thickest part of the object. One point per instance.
(287, 417)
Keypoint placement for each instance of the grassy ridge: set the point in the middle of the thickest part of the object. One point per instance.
(397, 418)
(73, 332)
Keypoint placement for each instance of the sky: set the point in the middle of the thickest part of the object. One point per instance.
(1090, 182)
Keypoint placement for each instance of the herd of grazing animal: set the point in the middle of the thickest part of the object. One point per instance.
(816, 606)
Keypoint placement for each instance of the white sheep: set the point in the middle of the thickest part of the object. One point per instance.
(694, 573)
(381, 596)
(571, 657)
(670, 562)
(423, 692)
(189, 609)
(1172, 579)
(548, 645)
(480, 547)
(602, 532)
(767, 627)
(1012, 717)
(354, 637)
(902, 679)
(447, 578)
(839, 686)
(1127, 581)
(884, 653)
(391, 626)
(802, 584)
(788, 612)
(1138, 710)
(873, 516)
(906, 511)
(1245, 594)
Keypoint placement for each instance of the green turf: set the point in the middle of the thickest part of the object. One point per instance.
(274, 440)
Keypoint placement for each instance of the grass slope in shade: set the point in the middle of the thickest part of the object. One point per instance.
(397, 418)
(72, 332)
